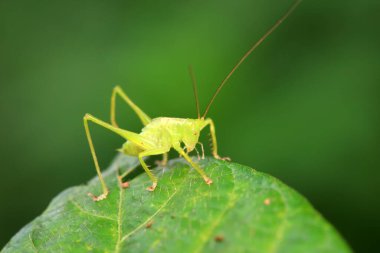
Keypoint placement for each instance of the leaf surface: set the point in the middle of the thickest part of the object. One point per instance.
(242, 211)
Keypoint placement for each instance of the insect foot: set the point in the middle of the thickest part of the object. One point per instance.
(124, 185)
(151, 188)
(207, 180)
(97, 198)
(162, 163)
(121, 183)
(222, 158)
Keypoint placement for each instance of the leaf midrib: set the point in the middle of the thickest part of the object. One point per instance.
(119, 215)
(231, 203)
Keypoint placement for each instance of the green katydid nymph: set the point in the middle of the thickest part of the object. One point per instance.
(161, 134)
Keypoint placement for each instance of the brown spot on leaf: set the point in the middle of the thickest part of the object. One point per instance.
(219, 238)
(149, 224)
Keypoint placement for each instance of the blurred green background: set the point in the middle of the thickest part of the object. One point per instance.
(304, 108)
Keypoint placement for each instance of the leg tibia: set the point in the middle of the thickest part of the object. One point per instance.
(145, 119)
(104, 186)
(214, 143)
(145, 167)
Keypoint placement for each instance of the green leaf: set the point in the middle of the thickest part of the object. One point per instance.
(242, 211)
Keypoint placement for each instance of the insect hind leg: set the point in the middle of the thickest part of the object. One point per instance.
(145, 119)
(123, 133)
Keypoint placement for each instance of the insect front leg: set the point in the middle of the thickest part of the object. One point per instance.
(214, 143)
(203, 150)
(194, 165)
(141, 155)
(145, 119)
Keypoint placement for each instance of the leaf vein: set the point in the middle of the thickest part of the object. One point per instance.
(117, 248)
(90, 213)
(279, 236)
(32, 242)
(149, 218)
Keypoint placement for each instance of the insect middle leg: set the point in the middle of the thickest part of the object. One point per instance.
(164, 160)
(194, 165)
(141, 155)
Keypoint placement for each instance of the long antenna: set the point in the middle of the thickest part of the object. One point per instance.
(291, 9)
(195, 90)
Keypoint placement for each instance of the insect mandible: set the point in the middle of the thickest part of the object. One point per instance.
(161, 134)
